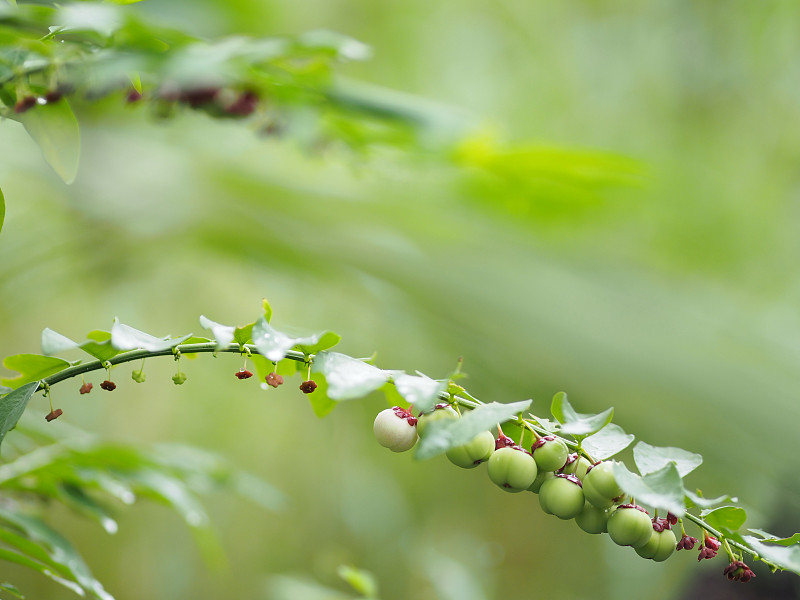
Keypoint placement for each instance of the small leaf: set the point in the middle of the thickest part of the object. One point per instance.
(242, 335)
(607, 442)
(784, 557)
(317, 342)
(575, 423)
(124, 337)
(32, 367)
(776, 539)
(267, 310)
(275, 344)
(695, 499)
(444, 434)
(55, 130)
(223, 334)
(652, 458)
(361, 581)
(98, 344)
(662, 489)
(11, 589)
(419, 390)
(725, 517)
(348, 378)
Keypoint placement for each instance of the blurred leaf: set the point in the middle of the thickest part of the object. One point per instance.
(607, 442)
(31, 367)
(275, 344)
(652, 458)
(242, 335)
(53, 342)
(776, 539)
(124, 337)
(11, 589)
(2, 210)
(444, 434)
(725, 517)
(694, 499)
(348, 378)
(318, 342)
(575, 423)
(267, 309)
(343, 46)
(361, 581)
(54, 128)
(785, 557)
(223, 334)
(662, 489)
(419, 390)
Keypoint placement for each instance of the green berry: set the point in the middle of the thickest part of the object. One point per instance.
(659, 547)
(550, 453)
(473, 453)
(592, 519)
(630, 525)
(562, 496)
(595, 497)
(601, 478)
(512, 469)
(442, 412)
(395, 429)
(541, 477)
(576, 466)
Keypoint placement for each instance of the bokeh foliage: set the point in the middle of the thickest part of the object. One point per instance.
(673, 299)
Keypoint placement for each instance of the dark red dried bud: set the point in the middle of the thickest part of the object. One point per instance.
(636, 506)
(244, 104)
(108, 385)
(133, 96)
(25, 104)
(406, 414)
(503, 441)
(308, 386)
(542, 441)
(53, 414)
(673, 520)
(86, 388)
(199, 96)
(571, 458)
(274, 380)
(53, 96)
(661, 523)
(709, 541)
(738, 571)
(687, 542)
(571, 478)
(243, 374)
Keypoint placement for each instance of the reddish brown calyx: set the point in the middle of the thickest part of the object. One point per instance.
(86, 388)
(738, 571)
(308, 386)
(636, 506)
(709, 548)
(571, 479)
(243, 374)
(661, 523)
(25, 104)
(108, 385)
(542, 441)
(687, 542)
(53, 414)
(274, 380)
(406, 414)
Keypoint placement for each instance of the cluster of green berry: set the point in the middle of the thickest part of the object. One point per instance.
(569, 486)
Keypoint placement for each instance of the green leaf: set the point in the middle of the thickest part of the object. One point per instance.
(2, 209)
(321, 402)
(348, 378)
(13, 405)
(784, 557)
(32, 367)
(98, 344)
(55, 130)
(662, 489)
(11, 589)
(361, 581)
(53, 342)
(267, 310)
(275, 344)
(124, 337)
(776, 539)
(695, 499)
(575, 423)
(317, 342)
(725, 517)
(444, 434)
(242, 335)
(607, 442)
(223, 334)
(419, 390)
(652, 458)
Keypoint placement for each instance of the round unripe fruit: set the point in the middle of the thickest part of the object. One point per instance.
(592, 519)
(659, 547)
(473, 453)
(577, 467)
(395, 431)
(550, 453)
(440, 413)
(595, 497)
(541, 477)
(511, 469)
(562, 496)
(601, 478)
(629, 526)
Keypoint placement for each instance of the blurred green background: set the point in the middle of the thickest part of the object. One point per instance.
(674, 299)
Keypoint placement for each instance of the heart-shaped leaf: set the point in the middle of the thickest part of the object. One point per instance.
(652, 458)
(607, 442)
(54, 128)
(662, 489)
(577, 424)
(725, 517)
(31, 367)
(348, 378)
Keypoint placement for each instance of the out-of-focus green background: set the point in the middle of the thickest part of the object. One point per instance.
(675, 300)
